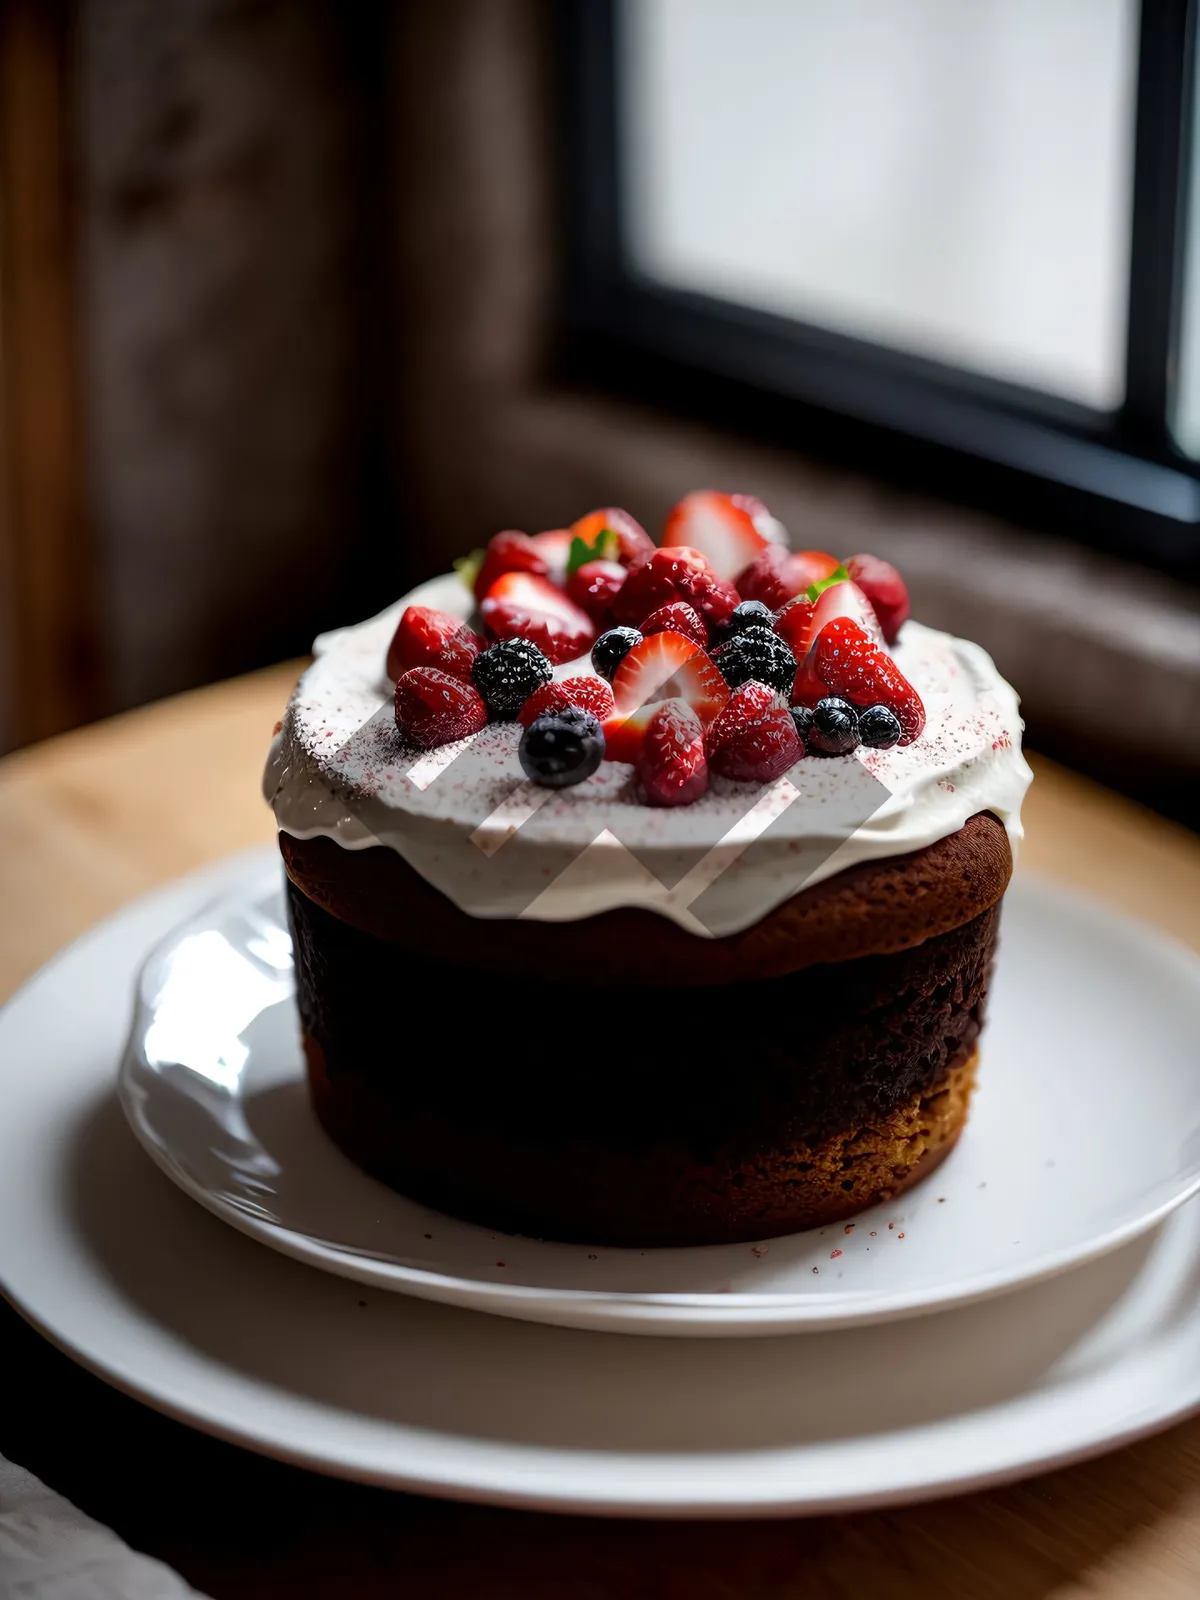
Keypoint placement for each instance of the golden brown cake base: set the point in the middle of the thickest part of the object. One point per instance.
(804, 1187)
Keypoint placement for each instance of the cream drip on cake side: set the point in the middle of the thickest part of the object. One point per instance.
(464, 816)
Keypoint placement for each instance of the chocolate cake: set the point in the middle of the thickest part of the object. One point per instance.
(659, 970)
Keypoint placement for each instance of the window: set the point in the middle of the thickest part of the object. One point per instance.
(954, 224)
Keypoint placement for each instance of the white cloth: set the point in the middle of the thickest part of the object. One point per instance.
(50, 1551)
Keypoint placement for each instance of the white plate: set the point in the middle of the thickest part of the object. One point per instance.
(123, 1272)
(1085, 1132)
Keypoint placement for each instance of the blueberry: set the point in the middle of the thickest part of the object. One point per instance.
(611, 648)
(834, 728)
(561, 747)
(802, 716)
(879, 728)
(750, 614)
(759, 654)
(506, 675)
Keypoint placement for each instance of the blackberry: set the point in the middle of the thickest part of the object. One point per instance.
(879, 728)
(561, 747)
(834, 727)
(750, 614)
(506, 675)
(759, 654)
(611, 648)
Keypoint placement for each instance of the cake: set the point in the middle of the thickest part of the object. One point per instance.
(647, 895)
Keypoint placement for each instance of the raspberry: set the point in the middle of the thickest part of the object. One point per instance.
(595, 585)
(672, 765)
(745, 705)
(434, 708)
(588, 694)
(760, 751)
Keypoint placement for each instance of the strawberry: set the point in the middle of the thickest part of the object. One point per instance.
(885, 589)
(852, 665)
(425, 637)
(676, 573)
(672, 766)
(776, 575)
(588, 694)
(794, 625)
(680, 617)
(509, 551)
(745, 705)
(729, 530)
(632, 542)
(662, 667)
(554, 547)
(595, 585)
(433, 708)
(520, 605)
(761, 749)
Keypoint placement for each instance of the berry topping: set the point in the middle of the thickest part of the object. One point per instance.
(434, 708)
(777, 574)
(586, 694)
(554, 547)
(425, 637)
(758, 653)
(632, 542)
(519, 605)
(671, 764)
(729, 530)
(744, 705)
(850, 663)
(611, 648)
(794, 625)
(663, 667)
(761, 750)
(879, 728)
(802, 717)
(509, 551)
(750, 614)
(595, 585)
(561, 747)
(834, 730)
(885, 589)
(680, 617)
(677, 573)
(507, 674)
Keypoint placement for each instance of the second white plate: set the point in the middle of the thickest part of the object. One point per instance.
(1084, 1133)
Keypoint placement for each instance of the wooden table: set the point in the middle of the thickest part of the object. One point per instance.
(91, 820)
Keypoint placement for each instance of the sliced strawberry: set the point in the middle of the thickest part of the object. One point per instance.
(589, 694)
(729, 530)
(672, 765)
(433, 708)
(522, 606)
(633, 543)
(885, 589)
(426, 637)
(595, 586)
(664, 666)
(509, 551)
(760, 750)
(680, 617)
(776, 575)
(745, 705)
(794, 625)
(677, 573)
(554, 547)
(852, 665)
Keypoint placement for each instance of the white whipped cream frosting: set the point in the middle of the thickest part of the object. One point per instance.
(465, 818)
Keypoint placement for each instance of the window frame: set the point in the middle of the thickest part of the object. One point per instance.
(1114, 479)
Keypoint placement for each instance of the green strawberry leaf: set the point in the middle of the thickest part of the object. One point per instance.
(606, 548)
(816, 590)
(468, 567)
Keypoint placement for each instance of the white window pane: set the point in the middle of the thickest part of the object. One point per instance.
(948, 178)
